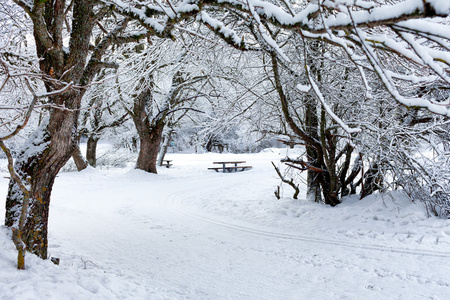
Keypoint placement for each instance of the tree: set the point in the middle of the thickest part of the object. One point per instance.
(328, 151)
(48, 149)
(21, 82)
(165, 85)
(101, 111)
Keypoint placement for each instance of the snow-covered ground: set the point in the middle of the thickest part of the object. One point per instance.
(192, 233)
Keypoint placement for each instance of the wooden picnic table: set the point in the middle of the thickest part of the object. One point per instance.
(226, 166)
(166, 163)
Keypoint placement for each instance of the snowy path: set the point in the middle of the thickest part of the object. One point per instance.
(192, 234)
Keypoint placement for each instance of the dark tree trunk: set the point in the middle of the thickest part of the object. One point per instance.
(149, 148)
(49, 148)
(150, 132)
(329, 191)
(39, 161)
(78, 158)
(313, 191)
(372, 181)
(91, 150)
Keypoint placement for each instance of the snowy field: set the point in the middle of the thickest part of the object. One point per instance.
(192, 233)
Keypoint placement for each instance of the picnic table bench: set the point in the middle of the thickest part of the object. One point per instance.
(166, 163)
(230, 166)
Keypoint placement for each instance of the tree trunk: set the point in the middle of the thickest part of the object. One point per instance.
(50, 146)
(313, 190)
(150, 132)
(330, 194)
(46, 151)
(372, 181)
(78, 158)
(91, 150)
(149, 148)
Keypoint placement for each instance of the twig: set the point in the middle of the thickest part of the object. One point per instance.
(290, 182)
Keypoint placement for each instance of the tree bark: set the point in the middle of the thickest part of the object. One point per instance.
(149, 148)
(91, 150)
(49, 148)
(78, 158)
(38, 162)
(372, 181)
(150, 132)
(313, 191)
(150, 126)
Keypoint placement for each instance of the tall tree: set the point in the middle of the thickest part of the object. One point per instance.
(48, 149)
(166, 82)
(101, 111)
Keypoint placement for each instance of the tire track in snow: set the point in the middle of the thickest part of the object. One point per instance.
(176, 203)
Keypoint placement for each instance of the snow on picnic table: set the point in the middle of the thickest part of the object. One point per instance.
(192, 233)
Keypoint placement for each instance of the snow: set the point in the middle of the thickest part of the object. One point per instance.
(328, 109)
(192, 233)
(187, 7)
(426, 26)
(384, 12)
(139, 13)
(441, 7)
(220, 27)
(36, 142)
(303, 88)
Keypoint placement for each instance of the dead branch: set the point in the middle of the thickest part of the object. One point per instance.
(290, 182)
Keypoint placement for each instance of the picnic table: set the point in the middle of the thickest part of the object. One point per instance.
(166, 163)
(230, 166)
